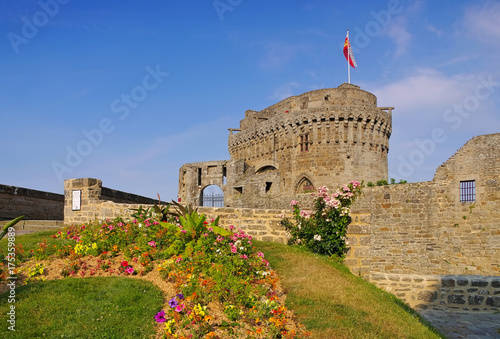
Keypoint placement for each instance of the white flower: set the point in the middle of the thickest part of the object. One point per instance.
(317, 237)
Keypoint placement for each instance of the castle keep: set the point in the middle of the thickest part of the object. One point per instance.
(323, 137)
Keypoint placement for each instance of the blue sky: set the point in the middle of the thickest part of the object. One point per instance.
(128, 93)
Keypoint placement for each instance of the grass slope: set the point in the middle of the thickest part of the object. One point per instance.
(333, 303)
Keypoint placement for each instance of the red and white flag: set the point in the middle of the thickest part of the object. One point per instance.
(348, 52)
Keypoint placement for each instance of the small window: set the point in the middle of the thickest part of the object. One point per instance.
(304, 143)
(468, 191)
(268, 186)
(199, 176)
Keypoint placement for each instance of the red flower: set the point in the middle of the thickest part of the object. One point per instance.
(124, 263)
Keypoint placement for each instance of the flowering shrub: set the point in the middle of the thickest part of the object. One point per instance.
(324, 229)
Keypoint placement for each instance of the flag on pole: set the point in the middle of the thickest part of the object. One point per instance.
(348, 52)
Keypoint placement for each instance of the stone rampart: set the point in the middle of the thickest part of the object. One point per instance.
(33, 204)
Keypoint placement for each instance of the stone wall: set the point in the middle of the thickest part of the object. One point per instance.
(97, 201)
(423, 228)
(33, 204)
(449, 292)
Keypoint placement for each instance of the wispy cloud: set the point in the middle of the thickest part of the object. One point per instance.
(458, 60)
(483, 22)
(398, 32)
(285, 91)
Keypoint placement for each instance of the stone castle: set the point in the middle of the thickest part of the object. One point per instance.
(325, 137)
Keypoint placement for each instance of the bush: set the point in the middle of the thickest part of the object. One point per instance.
(324, 229)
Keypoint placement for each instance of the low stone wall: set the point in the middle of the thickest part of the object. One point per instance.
(98, 202)
(30, 226)
(33, 204)
(443, 292)
(261, 224)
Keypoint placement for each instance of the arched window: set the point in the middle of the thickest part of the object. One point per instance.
(305, 186)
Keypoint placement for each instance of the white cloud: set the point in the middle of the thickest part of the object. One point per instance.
(422, 91)
(483, 22)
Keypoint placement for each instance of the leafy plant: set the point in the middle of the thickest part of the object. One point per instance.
(10, 224)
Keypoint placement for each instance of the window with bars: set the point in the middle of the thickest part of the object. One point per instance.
(304, 143)
(468, 191)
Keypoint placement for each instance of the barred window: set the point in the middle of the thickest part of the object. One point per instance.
(304, 143)
(468, 191)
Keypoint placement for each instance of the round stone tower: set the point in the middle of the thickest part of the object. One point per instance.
(325, 137)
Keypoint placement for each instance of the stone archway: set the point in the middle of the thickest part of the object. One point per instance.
(212, 196)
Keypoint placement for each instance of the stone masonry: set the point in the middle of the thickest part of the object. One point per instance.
(323, 137)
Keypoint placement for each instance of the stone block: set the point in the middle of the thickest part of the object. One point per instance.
(479, 283)
(493, 301)
(427, 296)
(475, 300)
(448, 282)
(456, 299)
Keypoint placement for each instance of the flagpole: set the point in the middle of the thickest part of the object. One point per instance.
(348, 60)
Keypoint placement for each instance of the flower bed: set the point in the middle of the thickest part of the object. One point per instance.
(216, 285)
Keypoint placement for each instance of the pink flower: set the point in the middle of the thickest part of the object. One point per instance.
(210, 229)
(243, 256)
(180, 308)
(305, 214)
(129, 270)
(183, 231)
(233, 249)
(205, 234)
(293, 203)
(231, 227)
(152, 243)
(355, 184)
(260, 254)
(124, 263)
(111, 227)
(179, 259)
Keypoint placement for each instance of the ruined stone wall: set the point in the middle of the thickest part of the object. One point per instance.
(423, 228)
(33, 204)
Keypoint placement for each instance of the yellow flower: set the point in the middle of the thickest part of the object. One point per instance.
(94, 246)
